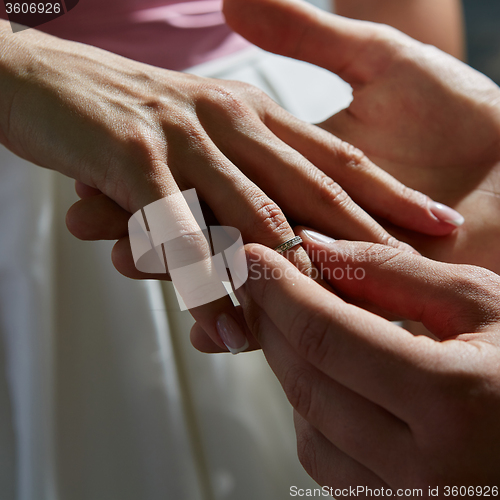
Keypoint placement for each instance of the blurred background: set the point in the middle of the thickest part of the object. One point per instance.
(482, 21)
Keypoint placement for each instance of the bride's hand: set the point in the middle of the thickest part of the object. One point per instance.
(137, 133)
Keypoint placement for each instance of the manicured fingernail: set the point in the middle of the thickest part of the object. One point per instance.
(313, 235)
(446, 214)
(231, 334)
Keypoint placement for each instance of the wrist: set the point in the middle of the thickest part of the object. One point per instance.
(16, 68)
(22, 62)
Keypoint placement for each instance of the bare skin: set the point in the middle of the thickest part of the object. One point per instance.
(426, 118)
(131, 134)
(376, 406)
(436, 23)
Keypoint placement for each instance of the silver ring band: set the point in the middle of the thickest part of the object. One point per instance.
(281, 249)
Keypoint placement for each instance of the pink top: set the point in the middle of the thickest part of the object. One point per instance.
(173, 34)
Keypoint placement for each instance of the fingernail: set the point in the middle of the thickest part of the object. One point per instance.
(231, 334)
(313, 235)
(446, 214)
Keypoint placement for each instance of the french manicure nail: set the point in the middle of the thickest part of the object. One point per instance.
(313, 235)
(231, 334)
(446, 214)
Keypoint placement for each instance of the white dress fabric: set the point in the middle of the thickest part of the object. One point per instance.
(102, 396)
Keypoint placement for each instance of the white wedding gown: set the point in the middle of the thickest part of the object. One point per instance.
(102, 396)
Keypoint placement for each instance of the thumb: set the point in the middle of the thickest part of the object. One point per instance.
(294, 28)
(448, 299)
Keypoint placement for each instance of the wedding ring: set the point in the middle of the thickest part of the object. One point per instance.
(281, 249)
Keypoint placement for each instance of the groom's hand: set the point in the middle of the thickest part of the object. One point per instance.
(377, 406)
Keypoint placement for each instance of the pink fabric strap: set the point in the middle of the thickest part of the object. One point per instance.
(199, 14)
(173, 34)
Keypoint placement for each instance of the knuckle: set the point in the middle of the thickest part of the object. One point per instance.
(477, 279)
(182, 127)
(480, 288)
(298, 384)
(389, 38)
(388, 241)
(230, 101)
(143, 145)
(136, 155)
(332, 192)
(191, 268)
(382, 254)
(226, 99)
(249, 91)
(142, 137)
(155, 104)
(188, 248)
(270, 219)
(351, 156)
(309, 332)
(243, 87)
(357, 162)
(306, 451)
(385, 32)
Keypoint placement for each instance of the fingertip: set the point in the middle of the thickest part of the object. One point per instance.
(312, 235)
(121, 255)
(202, 342)
(428, 217)
(72, 223)
(123, 261)
(97, 218)
(85, 191)
(446, 215)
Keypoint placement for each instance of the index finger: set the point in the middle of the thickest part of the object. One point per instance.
(367, 354)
